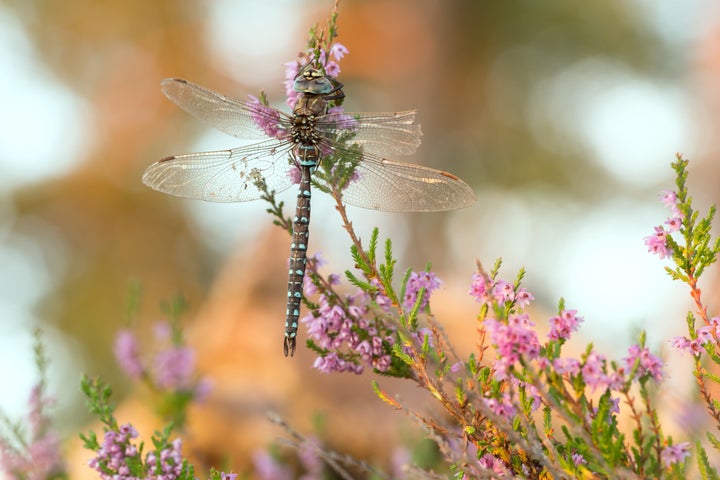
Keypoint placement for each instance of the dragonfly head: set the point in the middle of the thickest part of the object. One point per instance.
(313, 81)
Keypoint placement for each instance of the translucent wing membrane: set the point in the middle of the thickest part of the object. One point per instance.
(226, 175)
(382, 184)
(378, 133)
(242, 119)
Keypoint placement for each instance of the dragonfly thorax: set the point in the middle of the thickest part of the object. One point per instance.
(304, 132)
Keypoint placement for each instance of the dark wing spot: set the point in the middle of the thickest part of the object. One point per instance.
(449, 175)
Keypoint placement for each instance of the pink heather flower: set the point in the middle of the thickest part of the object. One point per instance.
(523, 298)
(228, 476)
(333, 363)
(530, 391)
(494, 464)
(616, 379)
(332, 69)
(267, 118)
(713, 328)
(512, 341)
(338, 51)
(503, 292)
(417, 282)
(657, 243)
(294, 175)
(521, 320)
(578, 459)
(563, 325)
(480, 288)
(673, 224)
(675, 453)
(291, 72)
(127, 354)
(693, 347)
(570, 366)
(292, 69)
(309, 288)
(648, 363)
(339, 119)
(173, 368)
(668, 198)
(381, 363)
(593, 371)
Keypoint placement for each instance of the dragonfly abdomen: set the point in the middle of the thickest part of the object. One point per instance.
(298, 259)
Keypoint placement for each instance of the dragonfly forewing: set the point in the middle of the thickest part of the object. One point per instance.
(226, 175)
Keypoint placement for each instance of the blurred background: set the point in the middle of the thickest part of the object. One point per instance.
(564, 116)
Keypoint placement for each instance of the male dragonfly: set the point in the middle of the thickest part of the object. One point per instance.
(317, 143)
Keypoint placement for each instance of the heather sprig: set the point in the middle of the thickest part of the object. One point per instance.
(120, 455)
(169, 370)
(689, 243)
(31, 451)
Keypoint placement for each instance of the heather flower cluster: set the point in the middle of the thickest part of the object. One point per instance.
(120, 454)
(673, 454)
(116, 454)
(38, 457)
(423, 284)
(657, 243)
(33, 454)
(561, 326)
(347, 338)
(266, 117)
(170, 369)
(512, 340)
(487, 291)
(703, 336)
(359, 330)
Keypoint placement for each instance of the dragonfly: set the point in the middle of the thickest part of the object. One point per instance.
(317, 144)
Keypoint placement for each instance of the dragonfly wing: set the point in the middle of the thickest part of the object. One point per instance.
(381, 184)
(242, 119)
(384, 134)
(226, 175)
